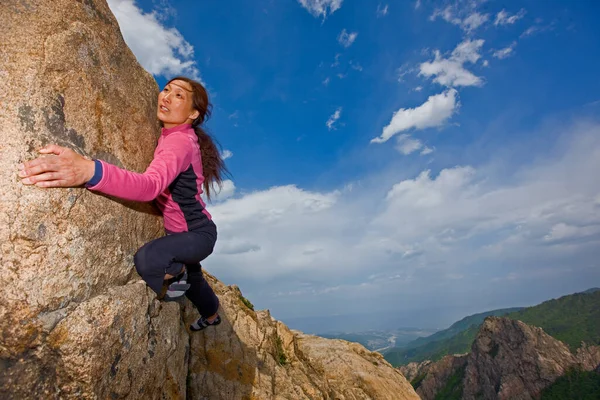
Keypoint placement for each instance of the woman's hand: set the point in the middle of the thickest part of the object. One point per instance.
(65, 169)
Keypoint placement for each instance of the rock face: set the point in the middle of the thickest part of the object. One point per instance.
(75, 320)
(414, 369)
(437, 375)
(252, 356)
(70, 324)
(508, 360)
(512, 360)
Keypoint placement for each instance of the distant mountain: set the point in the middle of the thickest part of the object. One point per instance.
(508, 360)
(462, 325)
(380, 340)
(572, 319)
(456, 339)
(592, 290)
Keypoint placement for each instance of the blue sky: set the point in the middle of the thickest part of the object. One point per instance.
(425, 159)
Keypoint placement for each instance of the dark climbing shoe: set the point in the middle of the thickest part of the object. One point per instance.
(203, 323)
(177, 288)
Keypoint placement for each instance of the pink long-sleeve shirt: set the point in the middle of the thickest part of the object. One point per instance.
(174, 179)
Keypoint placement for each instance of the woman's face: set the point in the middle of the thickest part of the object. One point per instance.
(175, 105)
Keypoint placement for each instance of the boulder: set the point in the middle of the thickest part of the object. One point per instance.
(73, 322)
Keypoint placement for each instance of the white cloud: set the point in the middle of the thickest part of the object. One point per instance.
(451, 71)
(418, 88)
(427, 150)
(356, 66)
(535, 29)
(382, 10)
(405, 144)
(391, 241)
(434, 112)
(226, 191)
(563, 232)
(320, 8)
(160, 50)
(336, 61)
(326, 81)
(226, 154)
(346, 39)
(331, 122)
(474, 21)
(505, 52)
(504, 18)
(466, 17)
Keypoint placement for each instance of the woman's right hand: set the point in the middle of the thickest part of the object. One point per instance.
(63, 168)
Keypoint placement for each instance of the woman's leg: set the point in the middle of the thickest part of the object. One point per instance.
(200, 293)
(168, 255)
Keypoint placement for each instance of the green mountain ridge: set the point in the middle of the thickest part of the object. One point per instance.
(572, 319)
(459, 326)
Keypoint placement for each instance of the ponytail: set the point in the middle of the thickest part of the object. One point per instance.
(213, 166)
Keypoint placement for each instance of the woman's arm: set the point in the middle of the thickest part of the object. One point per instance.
(68, 169)
(65, 169)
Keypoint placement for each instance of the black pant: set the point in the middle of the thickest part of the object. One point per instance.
(168, 255)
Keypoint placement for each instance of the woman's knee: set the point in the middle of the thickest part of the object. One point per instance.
(139, 260)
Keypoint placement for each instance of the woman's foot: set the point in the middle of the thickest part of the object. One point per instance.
(177, 287)
(203, 323)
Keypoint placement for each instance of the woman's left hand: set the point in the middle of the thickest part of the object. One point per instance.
(63, 168)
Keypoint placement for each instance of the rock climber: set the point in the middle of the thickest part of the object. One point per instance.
(186, 163)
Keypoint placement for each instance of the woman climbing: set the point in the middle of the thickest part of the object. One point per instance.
(185, 161)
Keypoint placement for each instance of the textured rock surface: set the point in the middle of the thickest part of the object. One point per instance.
(70, 326)
(588, 357)
(512, 360)
(437, 375)
(241, 359)
(414, 369)
(508, 360)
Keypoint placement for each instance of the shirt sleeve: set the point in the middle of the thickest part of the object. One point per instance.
(171, 157)
(97, 174)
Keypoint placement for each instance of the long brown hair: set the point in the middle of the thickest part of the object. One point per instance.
(213, 166)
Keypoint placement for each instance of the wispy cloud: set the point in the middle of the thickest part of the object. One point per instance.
(332, 121)
(504, 18)
(461, 14)
(356, 66)
(538, 28)
(226, 154)
(505, 52)
(160, 50)
(346, 39)
(321, 8)
(382, 10)
(433, 113)
(451, 71)
(406, 145)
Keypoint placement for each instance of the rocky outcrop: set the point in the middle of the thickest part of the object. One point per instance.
(508, 360)
(436, 375)
(71, 323)
(512, 360)
(75, 320)
(252, 356)
(415, 369)
(588, 357)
